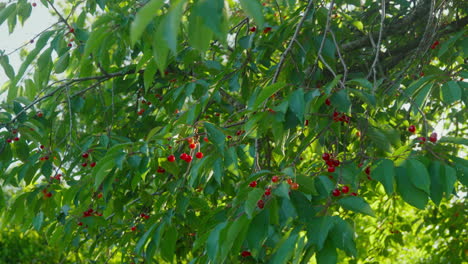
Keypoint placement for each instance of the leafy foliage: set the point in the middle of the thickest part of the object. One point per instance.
(247, 96)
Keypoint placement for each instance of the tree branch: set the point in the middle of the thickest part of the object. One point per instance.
(291, 42)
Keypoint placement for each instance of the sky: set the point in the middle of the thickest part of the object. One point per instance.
(40, 19)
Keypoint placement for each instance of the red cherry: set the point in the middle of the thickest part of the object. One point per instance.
(39, 114)
(325, 156)
(199, 155)
(16, 139)
(69, 45)
(327, 102)
(336, 192)
(345, 189)
(41, 147)
(367, 170)
(267, 191)
(275, 178)
(171, 158)
(306, 123)
(99, 196)
(48, 195)
(253, 184)
(133, 228)
(84, 164)
(266, 30)
(354, 194)
(336, 163)
(92, 164)
(412, 129)
(80, 223)
(85, 155)
(294, 186)
(433, 137)
(183, 156)
(192, 145)
(188, 159)
(246, 253)
(34, 4)
(252, 29)
(422, 140)
(72, 30)
(9, 140)
(331, 169)
(260, 204)
(205, 139)
(289, 181)
(190, 140)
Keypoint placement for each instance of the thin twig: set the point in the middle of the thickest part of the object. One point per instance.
(291, 42)
(327, 28)
(377, 48)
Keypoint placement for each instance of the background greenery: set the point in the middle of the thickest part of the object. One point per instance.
(262, 89)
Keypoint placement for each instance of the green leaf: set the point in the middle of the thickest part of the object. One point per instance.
(143, 18)
(215, 135)
(327, 255)
(95, 40)
(412, 195)
(450, 92)
(329, 87)
(448, 181)
(199, 35)
(62, 64)
(447, 44)
(253, 8)
(266, 92)
(171, 24)
(384, 172)
(341, 101)
(160, 49)
(356, 204)
(379, 139)
(142, 241)
(454, 140)
(107, 163)
(148, 75)
(9, 71)
(22, 150)
(285, 250)
(212, 244)
(418, 175)
(436, 182)
(342, 236)
(38, 220)
(297, 104)
(359, 25)
(317, 230)
(258, 230)
(211, 12)
(306, 184)
(362, 83)
(7, 12)
(169, 245)
(236, 231)
(422, 96)
(46, 169)
(252, 198)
